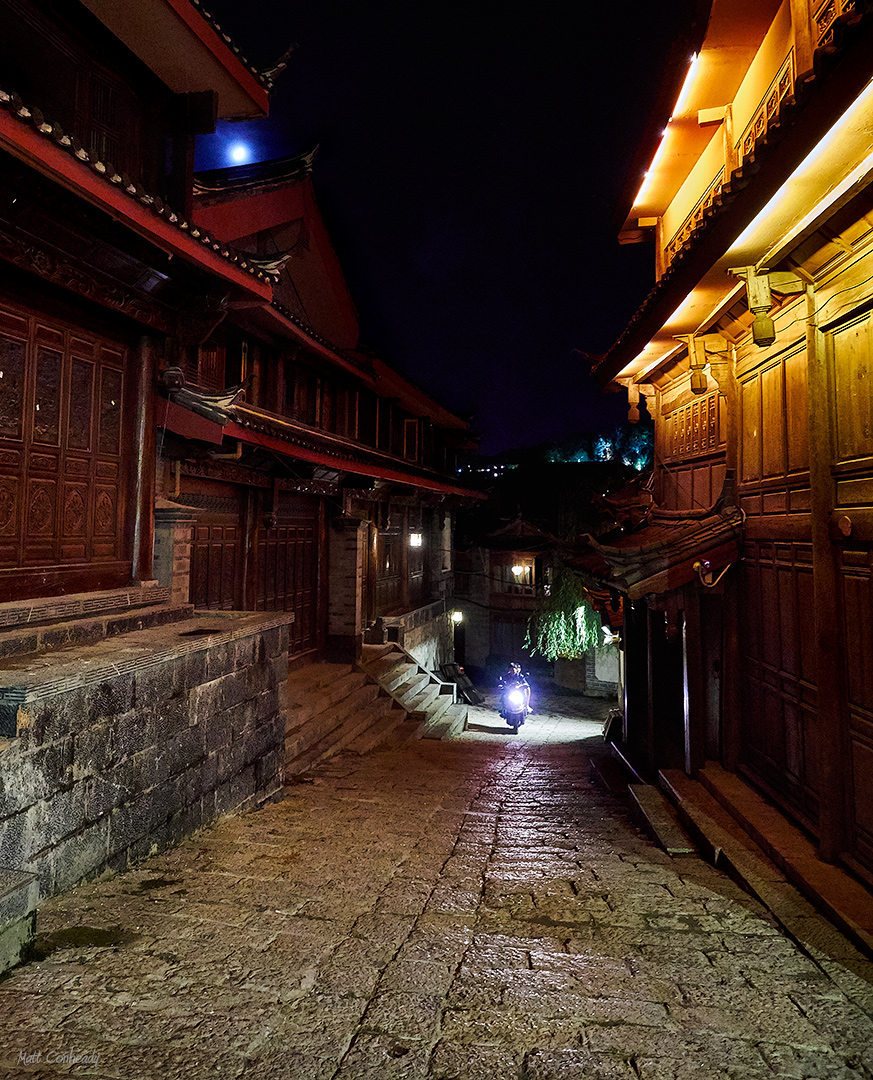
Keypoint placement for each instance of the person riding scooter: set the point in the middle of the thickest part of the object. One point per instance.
(514, 696)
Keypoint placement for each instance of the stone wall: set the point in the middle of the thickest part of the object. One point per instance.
(122, 757)
(595, 675)
(432, 643)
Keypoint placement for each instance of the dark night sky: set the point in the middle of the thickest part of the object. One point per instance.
(472, 159)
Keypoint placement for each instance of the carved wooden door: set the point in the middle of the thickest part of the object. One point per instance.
(64, 459)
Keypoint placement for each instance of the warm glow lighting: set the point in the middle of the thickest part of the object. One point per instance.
(794, 192)
(415, 539)
(457, 616)
(680, 103)
(518, 570)
(686, 87)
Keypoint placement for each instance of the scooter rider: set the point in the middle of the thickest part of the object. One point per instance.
(513, 677)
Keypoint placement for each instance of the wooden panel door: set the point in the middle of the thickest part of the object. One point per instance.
(857, 587)
(65, 458)
(287, 577)
(216, 562)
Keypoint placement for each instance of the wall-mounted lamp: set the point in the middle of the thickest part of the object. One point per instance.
(758, 292)
(706, 574)
(457, 616)
(415, 539)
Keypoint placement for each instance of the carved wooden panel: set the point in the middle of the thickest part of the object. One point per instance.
(694, 429)
(750, 425)
(12, 374)
(80, 405)
(772, 409)
(774, 441)
(796, 411)
(853, 390)
(47, 397)
(64, 462)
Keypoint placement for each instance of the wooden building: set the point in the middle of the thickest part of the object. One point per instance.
(187, 421)
(749, 621)
(180, 356)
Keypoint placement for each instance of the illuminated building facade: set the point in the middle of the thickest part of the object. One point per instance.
(749, 626)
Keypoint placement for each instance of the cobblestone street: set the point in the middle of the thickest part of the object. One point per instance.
(466, 910)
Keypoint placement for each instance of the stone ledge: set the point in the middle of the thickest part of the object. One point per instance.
(35, 678)
(76, 605)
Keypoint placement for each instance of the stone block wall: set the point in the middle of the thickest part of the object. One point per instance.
(431, 642)
(595, 675)
(130, 757)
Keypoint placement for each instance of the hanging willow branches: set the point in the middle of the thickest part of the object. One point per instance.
(564, 623)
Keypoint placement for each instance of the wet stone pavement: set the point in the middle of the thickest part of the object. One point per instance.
(465, 910)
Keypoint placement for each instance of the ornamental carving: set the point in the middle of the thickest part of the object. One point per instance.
(39, 514)
(104, 513)
(54, 268)
(7, 508)
(74, 513)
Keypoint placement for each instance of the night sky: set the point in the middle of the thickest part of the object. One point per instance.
(471, 169)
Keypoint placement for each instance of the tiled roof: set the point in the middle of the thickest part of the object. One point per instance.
(258, 174)
(263, 77)
(53, 133)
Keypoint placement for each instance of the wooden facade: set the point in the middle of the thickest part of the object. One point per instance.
(754, 354)
(163, 376)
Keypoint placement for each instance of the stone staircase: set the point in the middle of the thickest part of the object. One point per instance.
(386, 701)
(430, 702)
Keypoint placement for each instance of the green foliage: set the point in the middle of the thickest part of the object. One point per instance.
(564, 623)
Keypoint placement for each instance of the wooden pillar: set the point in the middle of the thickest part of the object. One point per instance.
(636, 668)
(832, 755)
(804, 46)
(694, 689)
(144, 462)
(723, 368)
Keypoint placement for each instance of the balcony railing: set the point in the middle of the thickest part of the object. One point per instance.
(695, 217)
(824, 16)
(768, 111)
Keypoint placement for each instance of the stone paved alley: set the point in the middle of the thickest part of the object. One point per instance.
(472, 909)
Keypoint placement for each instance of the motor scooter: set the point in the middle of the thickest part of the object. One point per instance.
(514, 698)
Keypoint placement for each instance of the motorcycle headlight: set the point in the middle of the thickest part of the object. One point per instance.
(516, 698)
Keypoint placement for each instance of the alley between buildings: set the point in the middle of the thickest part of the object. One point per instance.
(466, 910)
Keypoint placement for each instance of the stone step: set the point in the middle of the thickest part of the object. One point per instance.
(404, 734)
(391, 717)
(450, 721)
(310, 724)
(391, 671)
(321, 682)
(657, 817)
(424, 700)
(334, 741)
(412, 686)
(32, 640)
(53, 609)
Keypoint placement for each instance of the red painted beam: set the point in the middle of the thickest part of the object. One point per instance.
(337, 461)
